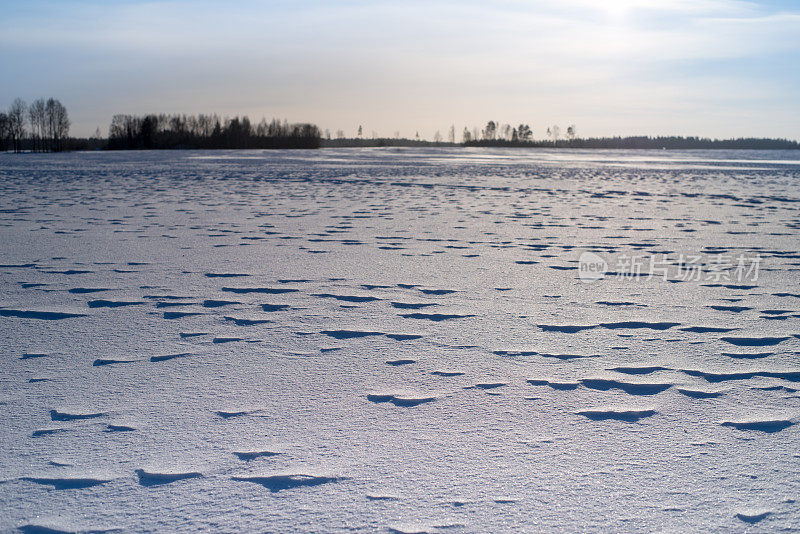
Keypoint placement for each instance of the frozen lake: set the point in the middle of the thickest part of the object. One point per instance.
(400, 340)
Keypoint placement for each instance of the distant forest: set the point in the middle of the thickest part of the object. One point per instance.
(643, 142)
(497, 135)
(43, 126)
(130, 132)
(638, 142)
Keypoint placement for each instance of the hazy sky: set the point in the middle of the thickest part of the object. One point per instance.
(719, 68)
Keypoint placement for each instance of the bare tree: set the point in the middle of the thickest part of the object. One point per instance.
(193, 125)
(62, 125)
(554, 131)
(205, 125)
(33, 120)
(451, 135)
(571, 133)
(37, 116)
(490, 133)
(437, 137)
(466, 136)
(16, 122)
(524, 132)
(58, 124)
(177, 124)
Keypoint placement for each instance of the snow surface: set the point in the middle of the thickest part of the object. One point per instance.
(395, 340)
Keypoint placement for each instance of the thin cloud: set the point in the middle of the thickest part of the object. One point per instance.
(410, 65)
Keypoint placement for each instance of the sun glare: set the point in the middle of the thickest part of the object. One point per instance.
(616, 10)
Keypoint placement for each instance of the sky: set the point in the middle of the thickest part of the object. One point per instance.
(715, 68)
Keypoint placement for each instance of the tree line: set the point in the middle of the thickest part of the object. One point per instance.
(496, 134)
(41, 127)
(680, 143)
(131, 132)
(505, 135)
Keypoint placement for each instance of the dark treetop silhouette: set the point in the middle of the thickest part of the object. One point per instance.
(44, 127)
(207, 131)
(48, 121)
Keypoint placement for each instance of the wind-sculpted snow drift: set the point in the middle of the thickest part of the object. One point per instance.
(378, 340)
